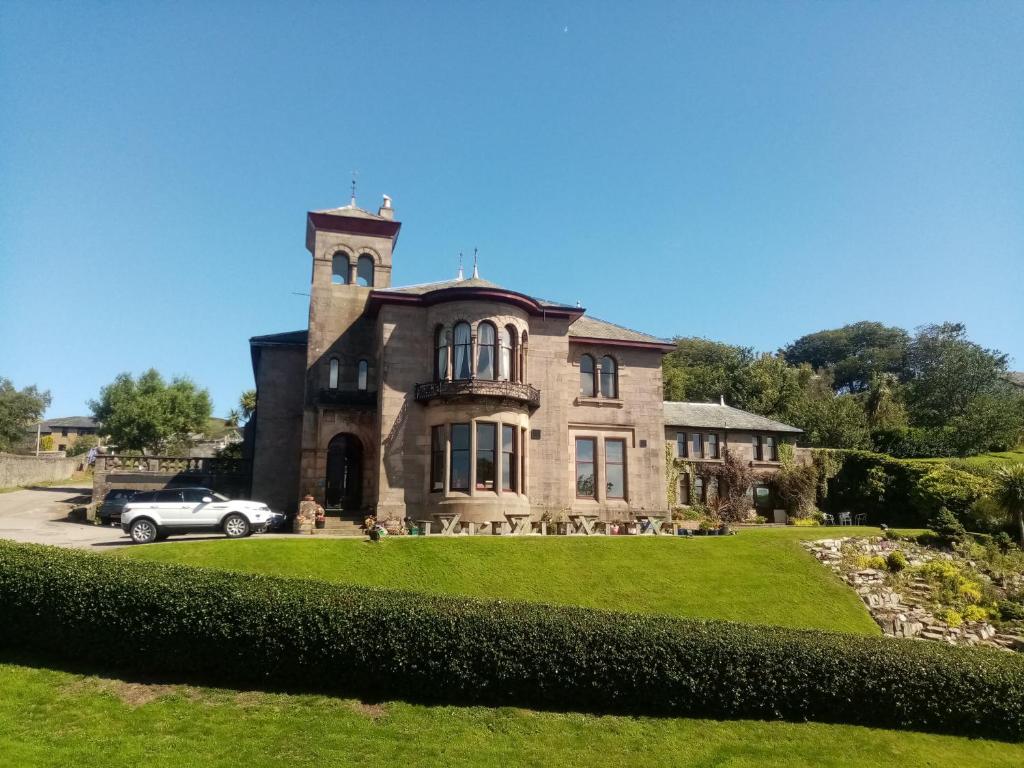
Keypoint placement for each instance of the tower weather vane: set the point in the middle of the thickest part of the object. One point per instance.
(354, 175)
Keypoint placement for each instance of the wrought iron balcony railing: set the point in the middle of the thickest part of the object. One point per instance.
(466, 388)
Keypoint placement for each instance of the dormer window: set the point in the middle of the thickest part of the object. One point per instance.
(339, 269)
(364, 271)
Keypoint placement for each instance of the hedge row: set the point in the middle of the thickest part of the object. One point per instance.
(904, 492)
(229, 628)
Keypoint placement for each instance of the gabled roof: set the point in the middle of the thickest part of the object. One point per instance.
(587, 327)
(715, 416)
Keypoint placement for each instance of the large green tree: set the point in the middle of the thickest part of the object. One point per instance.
(19, 410)
(854, 353)
(148, 414)
(703, 370)
(957, 391)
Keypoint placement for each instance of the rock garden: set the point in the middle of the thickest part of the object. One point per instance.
(960, 591)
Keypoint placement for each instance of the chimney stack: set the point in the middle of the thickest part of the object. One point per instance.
(385, 209)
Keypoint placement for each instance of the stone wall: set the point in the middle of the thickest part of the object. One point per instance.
(25, 470)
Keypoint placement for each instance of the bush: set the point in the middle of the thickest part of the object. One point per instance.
(952, 618)
(902, 491)
(896, 561)
(877, 562)
(221, 627)
(975, 613)
(946, 527)
(1011, 610)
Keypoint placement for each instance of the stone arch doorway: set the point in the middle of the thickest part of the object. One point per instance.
(344, 486)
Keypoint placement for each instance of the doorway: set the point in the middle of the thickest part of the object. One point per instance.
(344, 472)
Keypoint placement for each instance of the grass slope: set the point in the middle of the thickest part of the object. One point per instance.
(759, 576)
(54, 718)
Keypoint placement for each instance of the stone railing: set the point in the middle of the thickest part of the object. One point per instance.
(467, 388)
(166, 465)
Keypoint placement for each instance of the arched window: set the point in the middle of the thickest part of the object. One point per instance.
(364, 271)
(339, 269)
(463, 363)
(507, 353)
(485, 351)
(586, 376)
(523, 349)
(363, 369)
(609, 377)
(332, 380)
(440, 353)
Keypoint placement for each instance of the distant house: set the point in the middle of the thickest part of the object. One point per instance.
(701, 433)
(67, 431)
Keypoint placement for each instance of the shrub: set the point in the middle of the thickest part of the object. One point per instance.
(896, 561)
(1011, 610)
(873, 561)
(975, 613)
(952, 617)
(804, 522)
(229, 628)
(945, 525)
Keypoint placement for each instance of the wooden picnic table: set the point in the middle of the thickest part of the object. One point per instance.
(650, 524)
(520, 523)
(582, 523)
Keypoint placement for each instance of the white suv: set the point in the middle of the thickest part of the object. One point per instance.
(153, 515)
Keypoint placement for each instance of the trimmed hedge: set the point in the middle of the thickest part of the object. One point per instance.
(905, 492)
(222, 627)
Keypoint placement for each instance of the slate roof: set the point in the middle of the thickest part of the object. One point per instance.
(592, 327)
(352, 210)
(469, 282)
(288, 338)
(715, 416)
(78, 422)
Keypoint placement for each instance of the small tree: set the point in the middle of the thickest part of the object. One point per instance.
(20, 409)
(1009, 493)
(46, 443)
(247, 404)
(150, 414)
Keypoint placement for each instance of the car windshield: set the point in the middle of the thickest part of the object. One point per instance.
(221, 497)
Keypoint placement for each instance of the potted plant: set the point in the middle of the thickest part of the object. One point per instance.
(321, 518)
(370, 524)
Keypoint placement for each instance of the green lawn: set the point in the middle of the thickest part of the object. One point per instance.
(758, 576)
(988, 460)
(54, 718)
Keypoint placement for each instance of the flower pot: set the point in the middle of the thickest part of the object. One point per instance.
(374, 534)
(321, 523)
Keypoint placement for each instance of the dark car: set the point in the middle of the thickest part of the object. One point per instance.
(110, 510)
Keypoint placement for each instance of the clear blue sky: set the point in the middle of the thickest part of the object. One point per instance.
(748, 172)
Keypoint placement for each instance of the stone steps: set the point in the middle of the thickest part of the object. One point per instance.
(340, 526)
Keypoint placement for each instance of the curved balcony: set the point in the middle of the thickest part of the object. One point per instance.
(521, 394)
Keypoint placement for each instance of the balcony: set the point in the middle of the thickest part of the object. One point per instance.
(511, 391)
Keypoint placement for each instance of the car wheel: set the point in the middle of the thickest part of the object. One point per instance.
(143, 531)
(236, 526)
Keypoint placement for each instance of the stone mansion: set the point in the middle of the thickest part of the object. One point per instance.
(455, 396)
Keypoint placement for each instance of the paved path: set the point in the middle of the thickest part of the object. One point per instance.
(39, 515)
